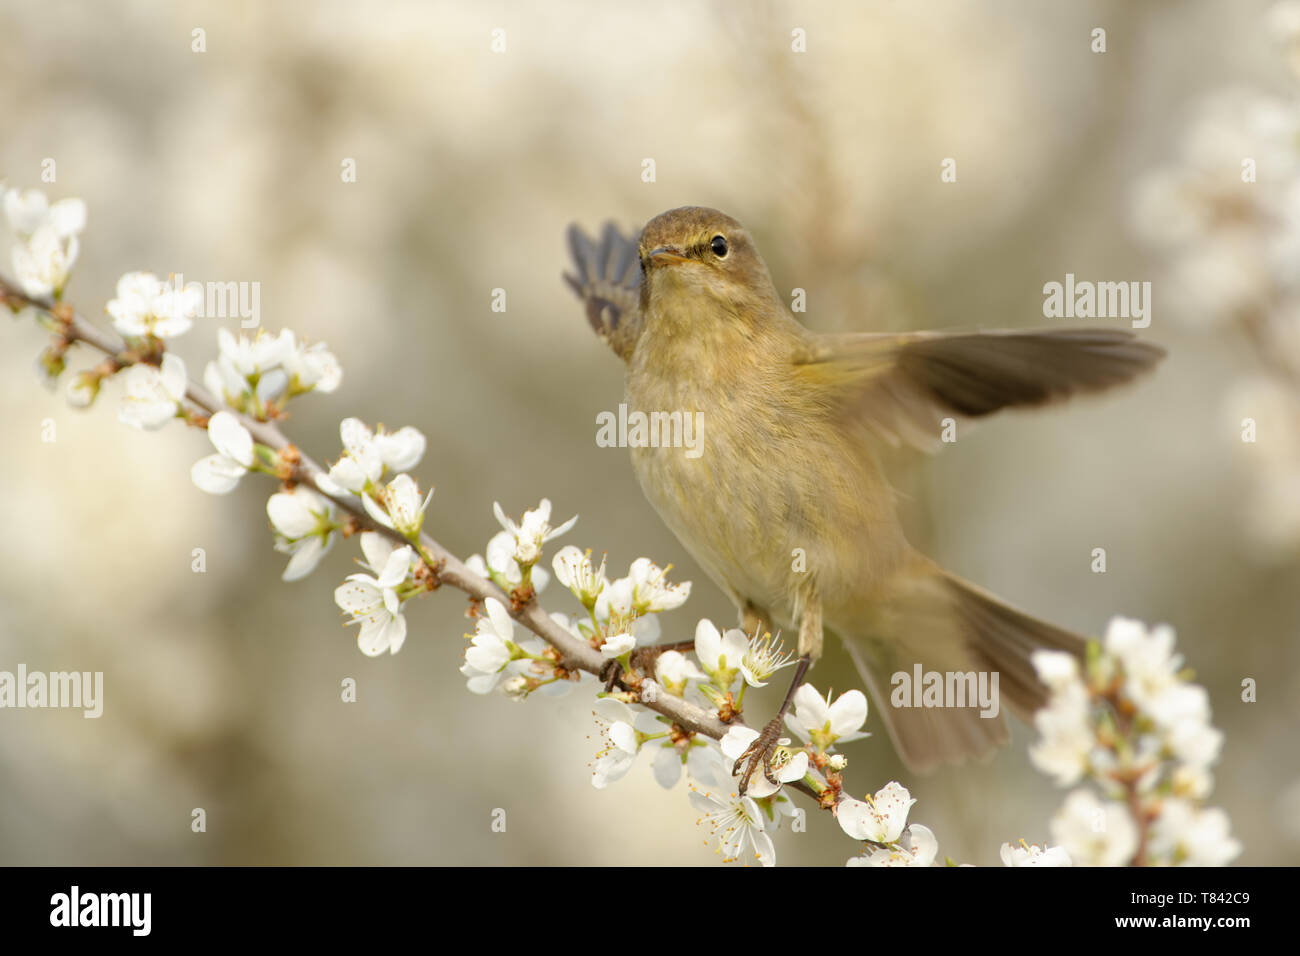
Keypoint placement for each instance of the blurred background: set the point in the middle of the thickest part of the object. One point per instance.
(223, 688)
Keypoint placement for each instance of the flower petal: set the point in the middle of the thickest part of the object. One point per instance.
(230, 438)
(217, 474)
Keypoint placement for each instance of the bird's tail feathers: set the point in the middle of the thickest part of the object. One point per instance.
(927, 621)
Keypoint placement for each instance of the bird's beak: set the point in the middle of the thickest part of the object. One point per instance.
(666, 255)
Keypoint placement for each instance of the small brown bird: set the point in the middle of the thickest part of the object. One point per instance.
(792, 423)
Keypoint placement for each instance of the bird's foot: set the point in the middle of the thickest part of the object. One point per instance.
(759, 755)
(611, 674)
(641, 661)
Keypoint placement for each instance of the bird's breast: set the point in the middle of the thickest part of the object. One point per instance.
(764, 492)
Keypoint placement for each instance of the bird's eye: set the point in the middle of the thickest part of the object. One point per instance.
(719, 247)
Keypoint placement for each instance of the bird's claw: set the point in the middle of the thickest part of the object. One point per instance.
(641, 661)
(611, 673)
(759, 754)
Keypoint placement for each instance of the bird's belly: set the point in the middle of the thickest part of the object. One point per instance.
(771, 510)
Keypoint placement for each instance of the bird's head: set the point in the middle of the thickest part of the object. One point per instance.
(694, 252)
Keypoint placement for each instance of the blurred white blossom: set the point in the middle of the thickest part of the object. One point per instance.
(44, 262)
(1224, 214)
(1187, 835)
(219, 474)
(28, 210)
(48, 239)
(1133, 724)
(152, 395)
(303, 522)
(1066, 736)
(1093, 833)
(312, 367)
(145, 305)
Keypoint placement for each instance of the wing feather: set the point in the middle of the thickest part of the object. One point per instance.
(608, 281)
(903, 386)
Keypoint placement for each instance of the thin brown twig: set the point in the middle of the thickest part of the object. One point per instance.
(575, 654)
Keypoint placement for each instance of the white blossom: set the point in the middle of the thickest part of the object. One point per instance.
(616, 645)
(313, 367)
(1067, 736)
(219, 474)
(28, 210)
(574, 569)
(616, 600)
(787, 766)
(400, 450)
(674, 669)
(721, 655)
(48, 239)
(1093, 833)
(501, 566)
(916, 847)
(147, 306)
(622, 731)
(1028, 854)
(224, 381)
(703, 761)
(259, 354)
(1191, 836)
(81, 390)
(43, 263)
(303, 521)
(651, 592)
(533, 530)
(879, 819)
(399, 506)
(518, 667)
(366, 454)
(763, 658)
(372, 599)
(492, 648)
(737, 824)
(151, 395)
(816, 720)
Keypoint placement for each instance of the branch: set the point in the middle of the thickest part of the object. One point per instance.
(449, 569)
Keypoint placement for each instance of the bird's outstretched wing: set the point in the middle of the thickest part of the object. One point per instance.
(608, 282)
(902, 386)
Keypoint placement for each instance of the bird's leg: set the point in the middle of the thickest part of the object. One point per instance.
(761, 751)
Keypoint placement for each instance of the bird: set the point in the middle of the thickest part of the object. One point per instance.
(793, 427)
